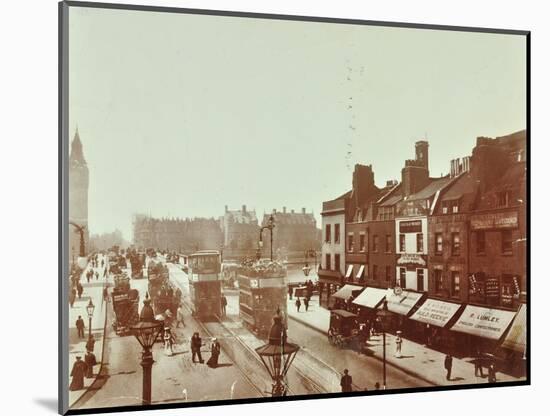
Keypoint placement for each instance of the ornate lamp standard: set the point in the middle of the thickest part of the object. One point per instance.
(90, 309)
(383, 316)
(270, 226)
(277, 355)
(146, 332)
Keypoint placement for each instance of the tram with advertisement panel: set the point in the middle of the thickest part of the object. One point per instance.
(262, 295)
(205, 283)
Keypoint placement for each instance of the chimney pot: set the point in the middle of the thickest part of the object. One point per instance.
(244, 209)
(284, 210)
(303, 210)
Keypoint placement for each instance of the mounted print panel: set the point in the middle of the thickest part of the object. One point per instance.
(265, 208)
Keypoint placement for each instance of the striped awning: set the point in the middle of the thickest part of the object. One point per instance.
(371, 297)
(484, 322)
(516, 337)
(403, 303)
(346, 291)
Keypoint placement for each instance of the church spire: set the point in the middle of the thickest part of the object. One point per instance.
(77, 155)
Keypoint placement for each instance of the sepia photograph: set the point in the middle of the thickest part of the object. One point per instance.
(266, 208)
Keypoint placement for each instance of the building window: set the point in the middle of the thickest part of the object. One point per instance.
(388, 273)
(402, 277)
(327, 262)
(455, 249)
(350, 242)
(420, 280)
(445, 210)
(402, 246)
(502, 199)
(337, 233)
(438, 274)
(438, 243)
(480, 242)
(374, 272)
(455, 207)
(388, 243)
(419, 243)
(506, 241)
(375, 243)
(337, 262)
(455, 280)
(362, 243)
(327, 233)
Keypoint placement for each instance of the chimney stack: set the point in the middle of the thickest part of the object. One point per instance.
(226, 208)
(244, 209)
(284, 210)
(421, 148)
(303, 210)
(292, 211)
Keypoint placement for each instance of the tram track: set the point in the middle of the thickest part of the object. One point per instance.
(251, 372)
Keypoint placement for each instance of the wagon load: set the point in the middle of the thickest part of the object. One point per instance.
(125, 304)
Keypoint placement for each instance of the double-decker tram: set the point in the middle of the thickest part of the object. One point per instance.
(262, 295)
(205, 283)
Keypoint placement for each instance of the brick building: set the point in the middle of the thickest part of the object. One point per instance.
(240, 229)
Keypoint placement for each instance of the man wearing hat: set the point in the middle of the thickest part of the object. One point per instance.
(90, 361)
(346, 382)
(77, 373)
(398, 342)
(80, 326)
(196, 344)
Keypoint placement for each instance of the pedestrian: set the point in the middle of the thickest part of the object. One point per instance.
(90, 361)
(96, 275)
(168, 318)
(77, 373)
(90, 344)
(88, 275)
(215, 350)
(346, 382)
(492, 378)
(298, 304)
(168, 342)
(106, 294)
(398, 342)
(448, 365)
(102, 262)
(290, 292)
(478, 363)
(80, 326)
(72, 297)
(196, 344)
(224, 304)
(179, 317)
(306, 303)
(79, 290)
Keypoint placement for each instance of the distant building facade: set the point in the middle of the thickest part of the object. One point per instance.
(181, 235)
(240, 229)
(78, 196)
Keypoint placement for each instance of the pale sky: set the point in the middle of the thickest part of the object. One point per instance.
(180, 115)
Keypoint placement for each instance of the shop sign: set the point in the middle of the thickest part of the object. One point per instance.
(494, 220)
(435, 312)
(484, 322)
(410, 226)
(411, 259)
(492, 288)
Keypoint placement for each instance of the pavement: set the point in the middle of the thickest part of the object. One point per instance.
(416, 359)
(77, 346)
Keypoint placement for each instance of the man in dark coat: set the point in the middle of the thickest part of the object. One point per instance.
(90, 344)
(79, 290)
(90, 361)
(196, 344)
(72, 297)
(224, 304)
(298, 304)
(306, 303)
(346, 382)
(448, 365)
(80, 326)
(77, 373)
(478, 363)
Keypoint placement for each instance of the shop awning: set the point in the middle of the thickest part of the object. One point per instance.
(346, 291)
(516, 337)
(349, 271)
(370, 297)
(403, 303)
(483, 322)
(360, 272)
(436, 312)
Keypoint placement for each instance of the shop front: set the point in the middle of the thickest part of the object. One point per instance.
(482, 328)
(342, 299)
(402, 303)
(367, 302)
(329, 283)
(432, 320)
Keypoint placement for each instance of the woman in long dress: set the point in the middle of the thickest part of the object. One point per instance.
(215, 354)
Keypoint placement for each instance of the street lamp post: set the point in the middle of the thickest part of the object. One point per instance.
(146, 332)
(383, 317)
(277, 355)
(90, 309)
(270, 226)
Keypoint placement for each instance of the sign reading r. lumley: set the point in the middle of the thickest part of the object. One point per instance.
(494, 220)
(484, 322)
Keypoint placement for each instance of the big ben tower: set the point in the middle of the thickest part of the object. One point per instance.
(78, 196)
